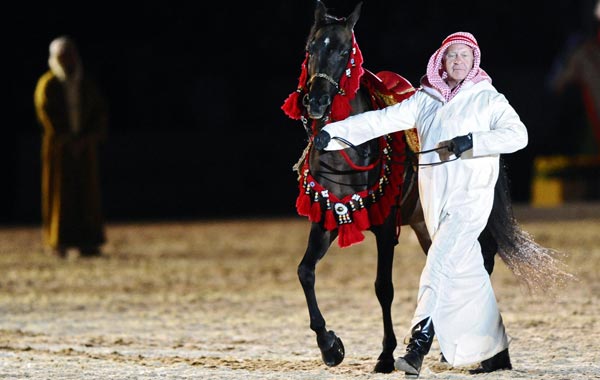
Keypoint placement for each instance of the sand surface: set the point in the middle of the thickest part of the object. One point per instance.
(221, 300)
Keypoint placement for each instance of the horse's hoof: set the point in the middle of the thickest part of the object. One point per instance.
(384, 366)
(332, 351)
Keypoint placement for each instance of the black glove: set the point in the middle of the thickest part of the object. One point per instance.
(460, 144)
(321, 140)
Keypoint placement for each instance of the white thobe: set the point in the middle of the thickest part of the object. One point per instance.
(454, 290)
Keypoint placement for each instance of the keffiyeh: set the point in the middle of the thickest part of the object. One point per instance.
(436, 74)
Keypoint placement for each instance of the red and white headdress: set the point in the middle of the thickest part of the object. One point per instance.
(437, 75)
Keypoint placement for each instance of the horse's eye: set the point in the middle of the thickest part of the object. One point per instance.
(345, 53)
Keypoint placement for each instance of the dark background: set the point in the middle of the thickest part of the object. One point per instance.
(195, 92)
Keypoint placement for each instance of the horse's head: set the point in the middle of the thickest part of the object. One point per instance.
(329, 45)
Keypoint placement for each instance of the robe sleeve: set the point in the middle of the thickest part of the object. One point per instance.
(368, 125)
(507, 132)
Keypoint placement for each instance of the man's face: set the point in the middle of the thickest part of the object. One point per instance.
(458, 61)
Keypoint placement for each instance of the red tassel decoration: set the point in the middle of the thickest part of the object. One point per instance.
(340, 108)
(360, 215)
(361, 219)
(303, 204)
(315, 210)
(349, 235)
(330, 223)
(292, 107)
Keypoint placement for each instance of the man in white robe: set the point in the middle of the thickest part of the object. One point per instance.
(457, 111)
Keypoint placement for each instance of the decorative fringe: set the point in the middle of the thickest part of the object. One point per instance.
(315, 210)
(303, 204)
(349, 234)
(361, 219)
(330, 223)
(292, 106)
(340, 107)
(349, 83)
(360, 215)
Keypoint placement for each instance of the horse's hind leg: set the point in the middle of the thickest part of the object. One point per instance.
(499, 221)
(319, 240)
(489, 247)
(384, 289)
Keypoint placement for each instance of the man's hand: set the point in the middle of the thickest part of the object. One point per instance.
(461, 144)
(457, 145)
(321, 140)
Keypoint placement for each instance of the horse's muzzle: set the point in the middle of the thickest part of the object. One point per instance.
(316, 106)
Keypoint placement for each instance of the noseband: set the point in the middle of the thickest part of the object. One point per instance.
(328, 79)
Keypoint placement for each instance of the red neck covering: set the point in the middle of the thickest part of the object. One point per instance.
(436, 74)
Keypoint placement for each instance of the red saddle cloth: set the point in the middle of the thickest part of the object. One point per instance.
(389, 86)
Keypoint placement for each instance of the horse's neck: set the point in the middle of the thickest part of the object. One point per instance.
(361, 102)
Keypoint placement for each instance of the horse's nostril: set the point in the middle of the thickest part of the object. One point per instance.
(325, 100)
(305, 100)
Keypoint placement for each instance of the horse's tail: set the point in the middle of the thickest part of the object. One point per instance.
(537, 267)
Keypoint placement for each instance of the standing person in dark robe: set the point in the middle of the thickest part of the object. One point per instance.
(74, 120)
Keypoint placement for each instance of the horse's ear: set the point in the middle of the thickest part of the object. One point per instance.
(353, 18)
(320, 12)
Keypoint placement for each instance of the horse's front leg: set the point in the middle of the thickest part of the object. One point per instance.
(319, 240)
(384, 289)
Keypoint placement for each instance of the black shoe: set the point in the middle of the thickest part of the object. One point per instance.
(419, 344)
(410, 363)
(497, 362)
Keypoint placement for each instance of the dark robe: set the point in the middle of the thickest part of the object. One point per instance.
(71, 197)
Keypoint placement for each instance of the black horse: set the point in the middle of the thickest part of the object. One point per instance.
(371, 187)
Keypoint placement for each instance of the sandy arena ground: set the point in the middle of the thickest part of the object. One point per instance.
(221, 300)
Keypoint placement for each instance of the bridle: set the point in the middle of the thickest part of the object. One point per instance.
(328, 79)
(305, 98)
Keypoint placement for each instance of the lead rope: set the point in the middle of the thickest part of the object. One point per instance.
(343, 140)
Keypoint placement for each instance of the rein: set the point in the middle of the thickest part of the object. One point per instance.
(357, 167)
(343, 140)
